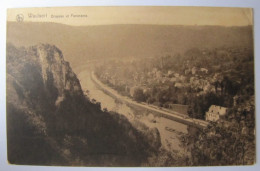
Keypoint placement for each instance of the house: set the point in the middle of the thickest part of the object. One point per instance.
(182, 78)
(159, 74)
(132, 90)
(181, 109)
(170, 73)
(154, 70)
(179, 85)
(204, 70)
(176, 75)
(144, 89)
(173, 79)
(236, 99)
(194, 70)
(216, 113)
(187, 71)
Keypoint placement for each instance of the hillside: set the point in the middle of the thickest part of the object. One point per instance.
(118, 41)
(51, 122)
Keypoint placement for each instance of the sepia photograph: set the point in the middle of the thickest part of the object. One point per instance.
(130, 86)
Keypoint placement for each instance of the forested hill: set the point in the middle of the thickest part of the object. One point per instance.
(51, 122)
(118, 41)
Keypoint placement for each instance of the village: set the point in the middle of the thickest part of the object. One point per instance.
(178, 81)
(193, 88)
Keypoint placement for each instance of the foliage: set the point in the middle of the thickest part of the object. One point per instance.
(198, 78)
(71, 132)
(220, 145)
(139, 95)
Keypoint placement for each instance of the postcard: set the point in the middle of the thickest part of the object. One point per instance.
(130, 86)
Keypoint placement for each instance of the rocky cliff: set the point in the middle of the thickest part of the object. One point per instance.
(50, 122)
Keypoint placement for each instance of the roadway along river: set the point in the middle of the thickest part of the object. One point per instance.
(169, 139)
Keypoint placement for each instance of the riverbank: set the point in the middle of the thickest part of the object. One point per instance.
(151, 108)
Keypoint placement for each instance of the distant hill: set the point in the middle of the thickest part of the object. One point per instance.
(79, 43)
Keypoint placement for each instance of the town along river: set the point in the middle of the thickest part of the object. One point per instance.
(170, 131)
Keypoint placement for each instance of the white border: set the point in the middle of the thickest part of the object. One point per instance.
(54, 3)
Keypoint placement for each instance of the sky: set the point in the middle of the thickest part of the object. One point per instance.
(163, 15)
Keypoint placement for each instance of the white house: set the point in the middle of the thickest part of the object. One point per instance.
(215, 113)
(194, 70)
(204, 70)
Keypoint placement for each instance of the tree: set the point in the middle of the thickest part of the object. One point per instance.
(139, 95)
(218, 145)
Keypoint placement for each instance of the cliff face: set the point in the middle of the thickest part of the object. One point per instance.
(38, 80)
(49, 121)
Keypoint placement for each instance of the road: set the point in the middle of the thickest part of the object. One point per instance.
(170, 139)
(156, 110)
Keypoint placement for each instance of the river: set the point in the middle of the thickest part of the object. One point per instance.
(169, 139)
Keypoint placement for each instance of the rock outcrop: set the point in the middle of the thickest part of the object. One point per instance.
(50, 122)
